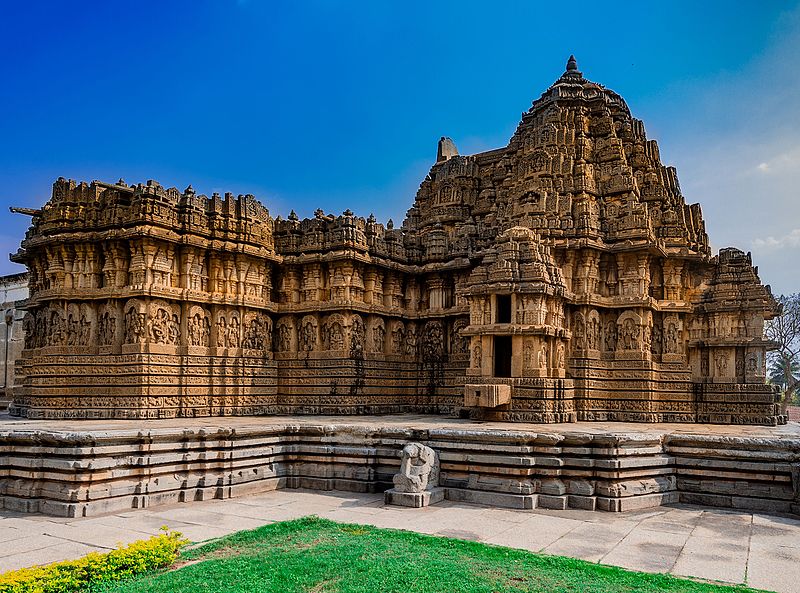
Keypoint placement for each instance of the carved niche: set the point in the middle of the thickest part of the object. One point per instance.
(378, 335)
(308, 333)
(333, 337)
(135, 322)
(163, 324)
(228, 329)
(199, 327)
(257, 332)
(284, 335)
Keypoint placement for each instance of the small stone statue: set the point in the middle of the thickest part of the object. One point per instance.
(417, 482)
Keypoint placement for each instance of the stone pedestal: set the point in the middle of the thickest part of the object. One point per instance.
(416, 500)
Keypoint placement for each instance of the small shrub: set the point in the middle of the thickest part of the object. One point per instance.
(74, 576)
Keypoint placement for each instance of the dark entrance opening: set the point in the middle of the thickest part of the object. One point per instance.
(503, 308)
(502, 356)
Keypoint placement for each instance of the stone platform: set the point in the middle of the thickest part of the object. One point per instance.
(89, 467)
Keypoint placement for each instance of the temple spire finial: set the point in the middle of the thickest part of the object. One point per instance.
(572, 64)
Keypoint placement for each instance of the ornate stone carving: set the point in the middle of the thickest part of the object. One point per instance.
(433, 342)
(257, 333)
(656, 340)
(333, 333)
(629, 329)
(378, 335)
(135, 325)
(164, 327)
(568, 263)
(672, 335)
(308, 333)
(284, 335)
(419, 469)
(29, 329)
(477, 353)
(416, 484)
(199, 327)
(397, 338)
(460, 343)
(411, 341)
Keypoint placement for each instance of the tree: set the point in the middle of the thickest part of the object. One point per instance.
(779, 375)
(784, 330)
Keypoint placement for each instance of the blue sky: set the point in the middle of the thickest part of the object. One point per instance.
(337, 105)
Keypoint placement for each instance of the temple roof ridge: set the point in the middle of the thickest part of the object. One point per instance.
(573, 85)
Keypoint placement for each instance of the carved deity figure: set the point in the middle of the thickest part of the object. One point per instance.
(284, 338)
(543, 357)
(656, 340)
(630, 335)
(593, 334)
(433, 341)
(222, 332)
(671, 338)
(476, 355)
(358, 333)
(41, 328)
(174, 331)
(335, 335)
(579, 335)
(29, 330)
(72, 330)
(84, 334)
(378, 336)
(232, 335)
(611, 336)
(722, 364)
(419, 469)
(527, 355)
(739, 366)
(647, 333)
(752, 364)
(460, 344)
(198, 330)
(308, 335)
(159, 327)
(523, 309)
(411, 342)
(256, 334)
(397, 339)
(135, 327)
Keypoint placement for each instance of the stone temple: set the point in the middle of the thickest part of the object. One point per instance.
(560, 278)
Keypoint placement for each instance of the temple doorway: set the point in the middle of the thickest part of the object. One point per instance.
(502, 356)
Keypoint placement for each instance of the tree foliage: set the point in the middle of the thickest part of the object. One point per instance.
(784, 330)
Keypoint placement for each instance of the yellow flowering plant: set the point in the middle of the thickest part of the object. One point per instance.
(74, 576)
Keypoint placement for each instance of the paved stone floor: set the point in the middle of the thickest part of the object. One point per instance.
(411, 421)
(736, 547)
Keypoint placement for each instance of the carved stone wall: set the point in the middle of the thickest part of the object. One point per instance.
(566, 267)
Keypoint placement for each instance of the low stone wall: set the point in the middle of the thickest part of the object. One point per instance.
(80, 473)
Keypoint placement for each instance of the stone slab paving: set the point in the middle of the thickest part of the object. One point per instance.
(736, 547)
(410, 421)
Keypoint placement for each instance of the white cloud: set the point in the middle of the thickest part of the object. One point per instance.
(740, 158)
(791, 240)
(785, 161)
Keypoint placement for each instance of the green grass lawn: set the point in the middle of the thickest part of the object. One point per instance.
(321, 556)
